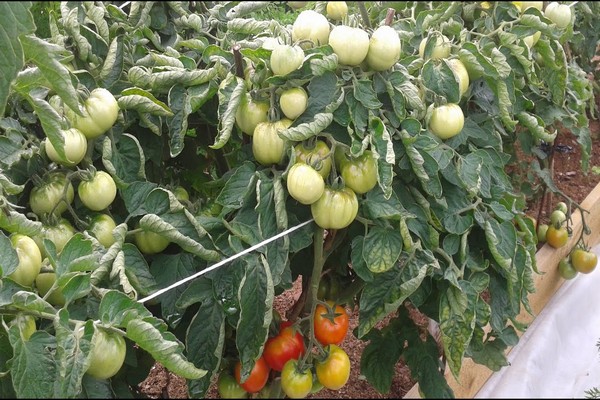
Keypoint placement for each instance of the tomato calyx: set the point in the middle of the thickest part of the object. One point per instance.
(330, 315)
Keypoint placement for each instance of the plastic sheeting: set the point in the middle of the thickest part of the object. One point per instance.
(557, 356)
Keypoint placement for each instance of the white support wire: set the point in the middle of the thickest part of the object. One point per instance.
(223, 262)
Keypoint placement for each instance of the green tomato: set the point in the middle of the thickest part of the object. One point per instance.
(98, 192)
(51, 194)
(337, 10)
(43, 282)
(150, 242)
(311, 26)
(558, 13)
(100, 111)
(286, 59)
(318, 156)
(447, 121)
(583, 261)
(181, 194)
(107, 355)
(335, 209)
(26, 324)
(102, 227)
(360, 174)
(304, 183)
(562, 206)
(250, 113)
(531, 40)
(461, 74)
(566, 269)
(542, 231)
(59, 234)
(557, 218)
(75, 147)
(293, 102)
(296, 383)
(351, 45)
(268, 148)
(441, 49)
(296, 4)
(30, 259)
(384, 48)
(229, 388)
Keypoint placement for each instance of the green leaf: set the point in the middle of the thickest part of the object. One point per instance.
(307, 130)
(491, 355)
(9, 260)
(238, 186)
(230, 95)
(137, 270)
(112, 68)
(423, 361)
(255, 296)
(381, 249)
(179, 102)
(439, 78)
(143, 102)
(383, 151)
(77, 255)
(322, 91)
(126, 164)
(365, 94)
(359, 264)
(502, 242)
(15, 21)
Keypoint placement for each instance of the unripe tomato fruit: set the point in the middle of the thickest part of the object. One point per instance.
(181, 193)
(542, 231)
(287, 345)
(334, 371)
(557, 237)
(296, 383)
(318, 156)
(558, 13)
(566, 270)
(562, 206)
(531, 40)
(102, 227)
(293, 102)
(75, 146)
(228, 387)
(335, 209)
(43, 283)
(285, 59)
(250, 113)
(59, 234)
(441, 49)
(557, 218)
(149, 242)
(310, 25)
(326, 331)
(461, 74)
(100, 111)
(337, 10)
(447, 121)
(304, 183)
(107, 355)
(296, 4)
(360, 174)
(258, 376)
(351, 45)
(268, 148)
(583, 261)
(30, 259)
(384, 48)
(44, 198)
(98, 192)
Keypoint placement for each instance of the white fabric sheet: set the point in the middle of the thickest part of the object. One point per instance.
(557, 356)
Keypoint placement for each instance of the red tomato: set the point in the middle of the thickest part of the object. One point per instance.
(258, 376)
(327, 331)
(287, 345)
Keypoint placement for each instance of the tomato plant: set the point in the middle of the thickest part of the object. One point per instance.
(52, 195)
(542, 231)
(557, 237)
(557, 218)
(316, 154)
(98, 113)
(441, 48)
(58, 233)
(293, 102)
(296, 383)
(384, 48)
(312, 26)
(360, 174)
(330, 327)
(351, 45)
(286, 59)
(228, 387)
(44, 283)
(98, 192)
(258, 377)
(305, 184)
(566, 269)
(267, 147)
(335, 209)
(25, 323)
(150, 242)
(102, 227)
(558, 13)
(333, 372)
(75, 147)
(107, 355)
(447, 121)
(583, 260)
(250, 113)
(337, 10)
(287, 345)
(30, 259)
(461, 73)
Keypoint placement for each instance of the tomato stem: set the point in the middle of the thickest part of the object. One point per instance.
(238, 60)
(364, 14)
(389, 16)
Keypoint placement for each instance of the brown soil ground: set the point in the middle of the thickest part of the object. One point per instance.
(569, 178)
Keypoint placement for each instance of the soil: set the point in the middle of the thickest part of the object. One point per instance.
(568, 177)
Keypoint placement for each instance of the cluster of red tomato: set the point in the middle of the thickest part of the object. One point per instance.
(285, 354)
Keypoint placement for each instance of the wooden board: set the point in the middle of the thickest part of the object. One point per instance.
(473, 376)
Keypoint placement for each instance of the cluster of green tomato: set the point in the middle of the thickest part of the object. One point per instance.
(301, 373)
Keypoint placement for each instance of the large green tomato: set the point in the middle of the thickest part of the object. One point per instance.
(384, 48)
(461, 74)
(98, 192)
(558, 13)
(336, 209)
(296, 383)
(229, 388)
(107, 355)
(566, 269)
(59, 234)
(312, 26)
(442, 48)
(293, 102)
(51, 195)
(150, 242)
(43, 283)
(268, 148)
(584, 261)
(100, 112)
(250, 113)
(337, 10)
(360, 174)
(351, 45)
(318, 156)
(447, 121)
(304, 183)
(333, 372)
(102, 227)
(75, 148)
(286, 59)
(30, 259)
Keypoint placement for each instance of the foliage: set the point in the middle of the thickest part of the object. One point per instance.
(443, 229)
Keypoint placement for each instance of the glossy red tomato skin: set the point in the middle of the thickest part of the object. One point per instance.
(327, 332)
(285, 346)
(258, 376)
